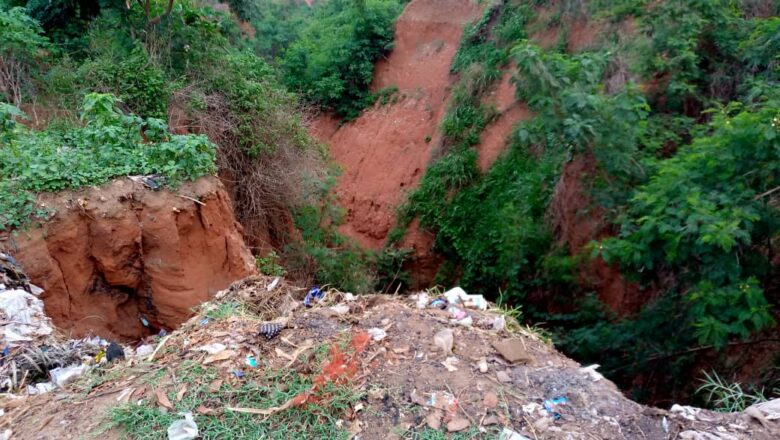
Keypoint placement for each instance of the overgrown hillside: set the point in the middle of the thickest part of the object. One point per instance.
(651, 158)
(633, 211)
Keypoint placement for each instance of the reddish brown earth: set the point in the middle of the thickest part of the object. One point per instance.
(114, 253)
(493, 139)
(384, 152)
(578, 221)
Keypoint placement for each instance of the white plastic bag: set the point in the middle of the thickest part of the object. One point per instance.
(65, 375)
(183, 429)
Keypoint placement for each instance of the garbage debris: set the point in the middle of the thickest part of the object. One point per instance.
(512, 350)
(203, 321)
(590, 370)
(421, 300)
(314, 294)
(450, 363)
(687, 412)
(23, 317)
(185, 429)
(273, 285)
(457, 295)
(64, 375)
(250, 361)
(40, 388)
(377, 334)
(439, 303)
(340, 309)
(482, 365)
(114, 352)
(550, 405)
(213, 348)
(444, 340)
(270, 330)
(12, 276)
(238, 373)
(508, 434)
(144, 350)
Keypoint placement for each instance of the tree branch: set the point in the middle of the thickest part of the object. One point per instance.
(167, 12)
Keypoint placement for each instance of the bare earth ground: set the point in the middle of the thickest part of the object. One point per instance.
(405, 388)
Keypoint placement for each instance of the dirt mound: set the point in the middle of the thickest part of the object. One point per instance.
(113, 255)
(385, 151)
(381, 351)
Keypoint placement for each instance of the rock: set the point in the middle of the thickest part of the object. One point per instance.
(433, 420)
(490, 400)
(444, 340)
(503, 377)
(508, 434)
(542, 424)
(512, 350)
(457, 424)
(482, 365)
(491, 420)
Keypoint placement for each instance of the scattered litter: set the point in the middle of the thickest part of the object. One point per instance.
(531, 408)
(203, 321)
(24, 317)
(238, 373)
(270, 329)
(185, 429)
(590, 370)
(40, 388)
(64, 375)
(439, 303)
(144, 321)
(482, 365)
(114, 352)
(377, 334)
(442, 400)
(421, 300)
(250, 361)
(6, 435)
(450, 363)
(457, 313)
(687, 412)
(349, 297)
(221, 356)
(551, 404)
(665, 424)
(144, 350)
(457, 295)
(508, 434)
(499, 323)
(465, 322)
(162, 332)
(444, 340)
(512, 350)
(273, 284)
(314, 294)
(457, 424)
(770, 409)
(212, 348)
(340, 309)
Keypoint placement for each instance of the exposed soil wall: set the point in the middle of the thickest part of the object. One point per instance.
(113, 254)
(384, 152)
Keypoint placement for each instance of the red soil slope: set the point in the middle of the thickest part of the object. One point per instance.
(114, 253)
(384, 152)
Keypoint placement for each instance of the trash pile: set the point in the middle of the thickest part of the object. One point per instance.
(430, 365)
(34, 358)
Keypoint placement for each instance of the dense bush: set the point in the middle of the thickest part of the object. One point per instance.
(332, 61)
(108, 143)
(21, 47)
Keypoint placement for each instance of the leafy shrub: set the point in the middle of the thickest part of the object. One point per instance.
(108, 144)
(21, 46)
(332, 63)
(702, 216)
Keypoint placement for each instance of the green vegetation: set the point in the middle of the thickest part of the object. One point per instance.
(257, 390)
(332, 61)
(681, 164)
(108, 144)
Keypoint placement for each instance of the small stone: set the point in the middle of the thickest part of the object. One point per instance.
(503, 377)
(433, 420)
(490, 400)
(491, 420)
(457, 424)
(542, 424)
(482, 365)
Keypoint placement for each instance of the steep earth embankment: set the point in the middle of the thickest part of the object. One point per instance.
(385, 151)
(115, 254)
